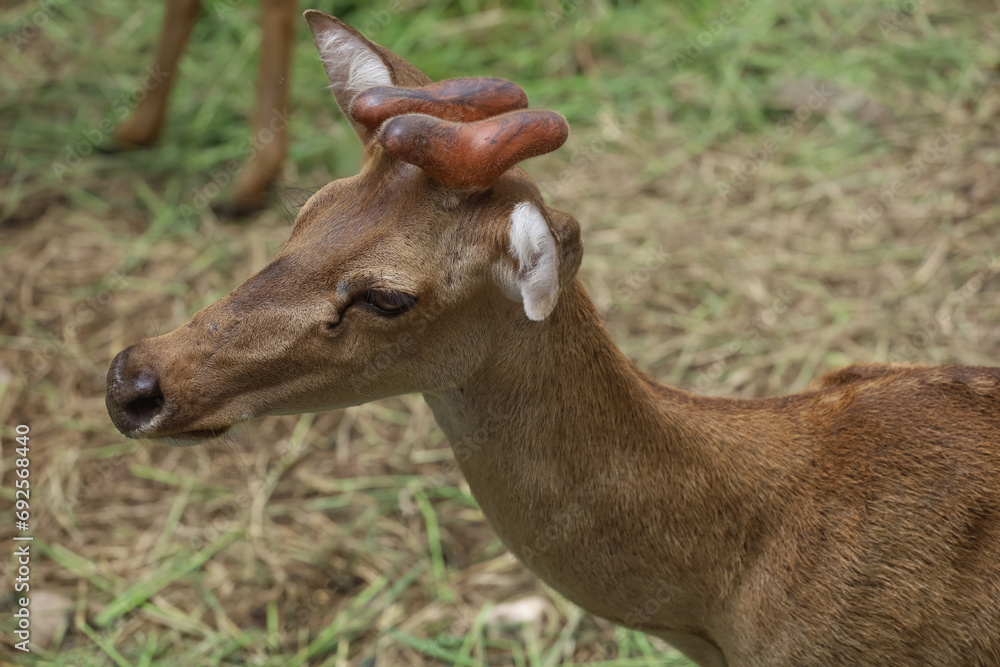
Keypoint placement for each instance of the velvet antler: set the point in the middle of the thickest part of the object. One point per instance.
(472, 154)
(464, 100)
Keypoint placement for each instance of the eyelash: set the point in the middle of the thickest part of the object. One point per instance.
(397, 302)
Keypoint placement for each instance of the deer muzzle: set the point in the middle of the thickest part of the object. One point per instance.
(163, 388)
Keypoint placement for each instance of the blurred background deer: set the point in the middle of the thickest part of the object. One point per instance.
(269, 126)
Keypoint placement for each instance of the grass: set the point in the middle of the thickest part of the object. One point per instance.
(726, 243)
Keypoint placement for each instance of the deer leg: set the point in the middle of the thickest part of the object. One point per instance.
(269, 141)
(142, 127)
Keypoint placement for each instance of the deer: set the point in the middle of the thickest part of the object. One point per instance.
(854, 523)
(269, 127)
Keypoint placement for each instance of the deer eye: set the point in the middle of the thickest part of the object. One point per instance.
(389, 303)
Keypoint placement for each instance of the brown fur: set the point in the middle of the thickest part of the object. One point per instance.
(855, 523)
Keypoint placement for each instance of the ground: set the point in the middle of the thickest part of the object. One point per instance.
(767, 190)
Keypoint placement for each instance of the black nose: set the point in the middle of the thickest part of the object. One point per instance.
(134, 398)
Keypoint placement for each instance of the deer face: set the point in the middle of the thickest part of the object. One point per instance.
(397, 280)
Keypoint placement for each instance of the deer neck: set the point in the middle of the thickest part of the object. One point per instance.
(592, 474)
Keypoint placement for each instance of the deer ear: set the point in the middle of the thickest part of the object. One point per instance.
(547, 254)
(354, 64)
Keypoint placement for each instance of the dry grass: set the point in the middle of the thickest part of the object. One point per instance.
(332, 539)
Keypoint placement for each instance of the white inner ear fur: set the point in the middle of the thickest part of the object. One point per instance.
(350, 64)
(535, 249)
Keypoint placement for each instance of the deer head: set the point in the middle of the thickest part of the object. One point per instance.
(396, 280)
